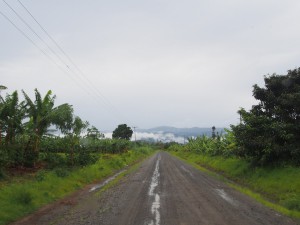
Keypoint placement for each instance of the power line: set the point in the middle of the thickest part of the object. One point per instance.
(48, 56)
(104, 99)
(82, 77)
(44, 53)
(89, 82)
(26, 36)
(33, 31)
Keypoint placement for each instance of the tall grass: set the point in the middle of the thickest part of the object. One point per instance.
(20, 197)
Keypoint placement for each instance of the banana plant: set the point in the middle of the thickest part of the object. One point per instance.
(11, 115)
(1, 106)
(42, 114)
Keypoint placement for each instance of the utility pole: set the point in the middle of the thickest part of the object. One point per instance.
(134, 133)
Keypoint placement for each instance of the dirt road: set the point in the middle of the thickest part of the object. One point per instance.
(163, 191)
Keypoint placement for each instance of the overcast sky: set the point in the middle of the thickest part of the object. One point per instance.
(150, 63)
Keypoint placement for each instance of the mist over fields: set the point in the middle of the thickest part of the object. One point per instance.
(169, 134)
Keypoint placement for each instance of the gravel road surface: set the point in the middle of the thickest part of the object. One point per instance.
(162, 191)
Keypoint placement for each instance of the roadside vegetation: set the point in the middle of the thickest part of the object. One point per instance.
(262, 152)
(23, 195)
(29, 135)
(38, 167)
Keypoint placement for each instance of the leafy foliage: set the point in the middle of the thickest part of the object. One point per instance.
(219, 145)
(21, 198)
(25, 139)
(122, 132)
(42, 114)
(94, 133)
(270, 131)
(11, 115)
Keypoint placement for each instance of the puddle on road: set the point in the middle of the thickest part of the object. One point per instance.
(98, 186)
(156, 203)
(186, 170)
(226, 197)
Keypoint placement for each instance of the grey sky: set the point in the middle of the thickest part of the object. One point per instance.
(178, 63)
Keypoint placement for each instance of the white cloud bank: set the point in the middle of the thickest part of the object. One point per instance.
(155, 137)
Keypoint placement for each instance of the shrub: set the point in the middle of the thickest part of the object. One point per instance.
(3, 174)
(41, 175)
(61, 172)
(84, 158)
(53, 159)
(292, 204)
(23, 197)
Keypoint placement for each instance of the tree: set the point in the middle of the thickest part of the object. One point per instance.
(73, 132)
(1, 106)
(122, 132)
(213, 133)
(42, 114)
(270, 131)
(11, 115)
(94, 133)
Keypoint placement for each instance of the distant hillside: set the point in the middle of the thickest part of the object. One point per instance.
(181, 132)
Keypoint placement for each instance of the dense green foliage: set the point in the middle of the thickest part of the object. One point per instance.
(270, 131)
(21, 196)
(122, 132)
(221, 145)
(26, 141)
(37, 167)
(263, 151)
(94, 133)
(23, 125)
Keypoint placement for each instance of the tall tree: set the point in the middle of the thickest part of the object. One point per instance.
(270, 131)
(11, 115)
(213, 132)
(1, 105)
(42, 114)
(122, 132)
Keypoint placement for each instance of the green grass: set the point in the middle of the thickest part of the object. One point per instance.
(118, 178)
(275, 187)
(20, 197)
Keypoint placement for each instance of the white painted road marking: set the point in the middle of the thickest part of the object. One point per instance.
(98, 186)
(156, 198)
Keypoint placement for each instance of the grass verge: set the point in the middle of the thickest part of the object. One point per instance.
(19, 198)
(277, 188)
(118, 178)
